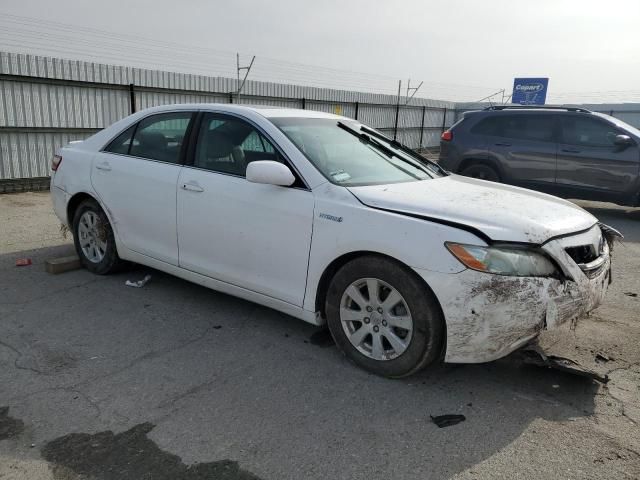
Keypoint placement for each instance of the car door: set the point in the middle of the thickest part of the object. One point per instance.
(588, 158)
(250, 235)
(524, 146)
(136, 177)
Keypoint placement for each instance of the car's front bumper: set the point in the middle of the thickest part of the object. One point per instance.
(489, 316)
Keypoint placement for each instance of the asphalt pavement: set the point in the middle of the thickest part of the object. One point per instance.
(174, 381)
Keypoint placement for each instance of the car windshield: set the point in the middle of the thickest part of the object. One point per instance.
(347, 156)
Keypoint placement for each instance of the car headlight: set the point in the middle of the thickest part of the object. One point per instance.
(504, 260)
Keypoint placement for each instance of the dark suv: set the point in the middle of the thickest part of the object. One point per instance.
(569, 152)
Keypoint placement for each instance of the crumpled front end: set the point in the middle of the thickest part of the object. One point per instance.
(488, 316)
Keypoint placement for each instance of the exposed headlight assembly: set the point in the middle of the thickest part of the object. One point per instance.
(504, 260)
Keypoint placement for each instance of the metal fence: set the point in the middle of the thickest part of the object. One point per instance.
(47, 102)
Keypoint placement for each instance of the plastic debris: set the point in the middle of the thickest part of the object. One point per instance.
(443, 421)
(602, 358)
(532, 354)
(23, 262)
(139, 283)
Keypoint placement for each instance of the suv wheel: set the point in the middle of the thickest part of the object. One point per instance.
(481, 171)
(383, 317)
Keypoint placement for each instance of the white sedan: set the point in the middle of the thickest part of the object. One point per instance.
(327, 220)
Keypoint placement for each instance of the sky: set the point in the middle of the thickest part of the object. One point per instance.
(463, 50)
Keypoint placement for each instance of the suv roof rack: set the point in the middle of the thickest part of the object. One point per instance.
(537, 107)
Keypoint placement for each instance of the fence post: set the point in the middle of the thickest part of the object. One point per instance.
(230, 97)
(304, 103)
(424, 111)
(357, 108)
(132, 99)
(444, 119)
(395, 126)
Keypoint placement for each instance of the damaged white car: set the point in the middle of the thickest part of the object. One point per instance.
(329, 221)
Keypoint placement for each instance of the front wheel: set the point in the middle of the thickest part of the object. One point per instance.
(94, 240)
(383, 317)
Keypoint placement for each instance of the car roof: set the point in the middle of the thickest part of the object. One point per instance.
(264, 110)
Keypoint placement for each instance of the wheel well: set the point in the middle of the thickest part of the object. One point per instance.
(76, 200)
(338, 263)
(333, 267)
(467, 162)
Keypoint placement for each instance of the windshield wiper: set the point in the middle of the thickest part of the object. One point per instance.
(389, 152)
(383, 148)
(405, 149)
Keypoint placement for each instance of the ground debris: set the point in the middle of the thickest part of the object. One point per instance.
(631, 294)
(603, 358)
(532, 354)
(23, 262)
(448, 420)
(139, 283)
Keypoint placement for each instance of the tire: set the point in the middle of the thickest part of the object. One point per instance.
(481, 171)
(422, 343)
(103, 258)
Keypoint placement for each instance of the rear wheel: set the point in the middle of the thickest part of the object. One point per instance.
(94, 240)
(481, 171)
(383, 317)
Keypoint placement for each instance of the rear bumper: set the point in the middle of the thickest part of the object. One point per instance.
(59, 199)
(489, 316)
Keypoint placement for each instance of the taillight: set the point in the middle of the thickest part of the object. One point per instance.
(55, 162)
(447, 136)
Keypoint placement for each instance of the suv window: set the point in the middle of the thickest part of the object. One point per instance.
(587, 132)
(160, 137)
(521, 127)
(228, 144)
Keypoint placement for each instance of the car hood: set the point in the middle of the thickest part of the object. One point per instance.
(500, 212)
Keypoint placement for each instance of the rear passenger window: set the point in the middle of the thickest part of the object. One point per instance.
(122, 142)
(520, 127)
(587, 132)
(160, 137)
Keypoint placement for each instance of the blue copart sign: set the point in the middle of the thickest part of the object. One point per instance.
(530, 91)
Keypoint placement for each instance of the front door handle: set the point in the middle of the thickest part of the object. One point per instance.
(104, 166)
(192, 187)
(570, 150)
(502, 144)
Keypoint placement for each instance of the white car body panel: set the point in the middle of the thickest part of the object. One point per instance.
(493, 208)
(226, 232)
(272, 245)
(139, 195)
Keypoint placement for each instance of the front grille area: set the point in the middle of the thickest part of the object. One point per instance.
(582, 254)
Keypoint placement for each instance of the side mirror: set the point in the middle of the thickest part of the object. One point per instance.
(622, 140)
(270, 172)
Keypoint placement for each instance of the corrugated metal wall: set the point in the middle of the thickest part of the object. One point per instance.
(47, 102)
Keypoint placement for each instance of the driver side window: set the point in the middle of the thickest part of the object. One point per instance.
(228, 145)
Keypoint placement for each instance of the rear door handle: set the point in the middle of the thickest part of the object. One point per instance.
(192, 187)
(570, 150)
(104, 166)
(502, 144)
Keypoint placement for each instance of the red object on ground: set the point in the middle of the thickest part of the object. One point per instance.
(23, 262)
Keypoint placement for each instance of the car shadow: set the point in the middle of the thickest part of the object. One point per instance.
(222, 378)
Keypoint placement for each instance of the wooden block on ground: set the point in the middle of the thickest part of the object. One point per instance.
(62, 264)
